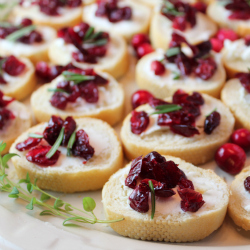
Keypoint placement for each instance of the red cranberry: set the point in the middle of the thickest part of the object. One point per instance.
(26, 22)
(5, 115)
(179, 23)
(211, 122)
(184, 130)
(143, 50)
(200, 6)
(158, 67)
(37, 155)
(90, 92)
(240, 9)
(247, 40)
(69, 127)
(247, 183)
(140, 97)
(244, 80)
(3, 102)
(230, 158)
(241, 137)
(192, 201)
(28, 144)
(224, 34)
(13, 66)
(59, 100)
(206, 68)
(217, 45)
(185, 183)
(139, 122)
(139, 39)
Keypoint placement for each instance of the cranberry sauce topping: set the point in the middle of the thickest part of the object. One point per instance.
(71, 90)
(201, 64)
(51, 7)
(211, 122)
(91, 45)
(111, 10)
(164, 175)
(247, 40)
(181, 122)
(183, 15)
(32, 37)
(38, 148)
(244, 80)
(240, 9)
(247, 183)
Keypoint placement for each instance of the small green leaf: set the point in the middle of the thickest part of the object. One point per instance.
(58, 203)
(68, 208)
(47, 212)
(95, 35)
(2, 146)
(30, 188)
(57, 90)
(56, 144)
(34, 135)
(27, 178)
(7, 157)
(14, 193)
(71, 143)
(20, 33)
(6, 186)
(162, 109)
(3, 5)
(88, 204)
(30, 206)
(35, 182)
(3, 176)
(44, 197)
(5, 24)
(13, 196)
(173, 51)
(151, 186)
(176, 76)
(89, 33)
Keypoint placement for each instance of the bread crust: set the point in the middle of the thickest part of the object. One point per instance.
(238, 195)
(163, 86)
(233, 97)
(197, 149)
(111, 112)
(185, 227)
(72, 178)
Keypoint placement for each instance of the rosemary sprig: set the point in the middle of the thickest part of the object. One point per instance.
(168, 8)
(173, 51)
(177, 76)
(166, 108)
(56, 144)
(152, 190)
(71, 143)
(5, 25)
(33, 135)
(89, 33)
(99, 42)
(60, 208)
(76, 78)
(20, 33)
(57, 90)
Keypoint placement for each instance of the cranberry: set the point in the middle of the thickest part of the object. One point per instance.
(206, 68)
(241, 137)
(247, 183)
(139, 39)
(69, 127)
(81, 146)
(185, 183)
(247, 40)
(59, 100)
(5, 115)
(13, 66)
(139, 122)
(38, 153)
(53, 129)
(26, 22)
(158, 67)
(184, 130)
(230, 158)
(224, 34)
(47, 72)
(191, 201)
(2, 81)
(3, 102)
(90, 92)
(240, 9)
(33, 37)
(211, 122)
(200, 6)
(244, 80)
(140, 97)
(217, 45)
(143, 50)
(28, 144)
(154, 102)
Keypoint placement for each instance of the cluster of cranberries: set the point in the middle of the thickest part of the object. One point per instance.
(111, 10)
(181, 14)
(88, 45)
(51, 7)
(88, 90)
(141, 45)
(164, 175)
(201, 64)
(244, 80)
(38, 148)
(12, 66)
(240, 9)
(33, 37)
(5, 114)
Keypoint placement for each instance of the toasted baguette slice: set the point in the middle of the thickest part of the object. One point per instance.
(161, 30)
(165, 85)
(108, 108)
(21, 86)
(170, 223)
(235, 57)
(139, 22)
(36, 52)
(239, 200)
(70, 174)
(115, 62)
(237, 100)
(16, 126)
(197, 149)
(219, 14)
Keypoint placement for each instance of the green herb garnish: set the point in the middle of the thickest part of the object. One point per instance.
(89, 33)
(99, 42)
(70, 214)
(57, 90)
(176, 76)
(20, 33)
(5, 25)
(173, 51)
(166, 108)
(151, 186)
(33, 135)
(71, 143)
(76, 78)
(56, 144)
(211, 112)
(168, 8)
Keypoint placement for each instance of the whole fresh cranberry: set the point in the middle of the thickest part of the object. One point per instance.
(13, 66)
(143, 50)
(140, 97)
(217, 44)
(241, 137)
(139, 39)
(247, 183)
(157, 67)
(230, 158)
(224, 34)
